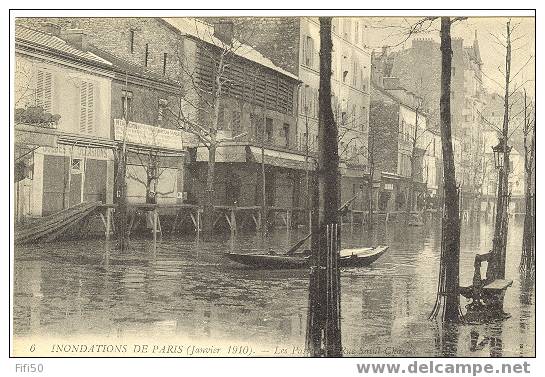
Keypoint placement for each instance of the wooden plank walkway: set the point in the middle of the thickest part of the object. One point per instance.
(49, 228)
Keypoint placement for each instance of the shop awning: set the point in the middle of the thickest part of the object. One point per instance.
(32, 136)
(278, 158)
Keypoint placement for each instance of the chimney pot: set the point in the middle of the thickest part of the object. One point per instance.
(390, 83)
(224, 31)
(78, 38)
(52, 28)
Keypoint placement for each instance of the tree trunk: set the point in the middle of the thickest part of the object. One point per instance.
(208, 210)
(527, 263)
(412, 191)
(448, 291)
(371, 153)
(370, 197)
(502, 206)
(325, 311)
(121, 210)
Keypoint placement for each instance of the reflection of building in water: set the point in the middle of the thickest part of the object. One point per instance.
(27, 291)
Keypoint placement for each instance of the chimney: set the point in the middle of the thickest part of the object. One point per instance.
(52, 28)
(77, 38)
(390, 83)
(224, 30)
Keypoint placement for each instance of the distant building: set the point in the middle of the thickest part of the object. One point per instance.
(399, 142)
(419, 70)
(492, 115)
(293, 43)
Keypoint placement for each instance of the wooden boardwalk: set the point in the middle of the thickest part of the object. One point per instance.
(49, 228)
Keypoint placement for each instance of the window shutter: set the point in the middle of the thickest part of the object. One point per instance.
(90, 108)
(47, 92)
(87, 102)
(304, 52)
(39, 88)
(83, 107)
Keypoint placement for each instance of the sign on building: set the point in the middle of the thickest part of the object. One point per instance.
(144, 134)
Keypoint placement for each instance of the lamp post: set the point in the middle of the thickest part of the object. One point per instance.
(501, 161)
(500, 152)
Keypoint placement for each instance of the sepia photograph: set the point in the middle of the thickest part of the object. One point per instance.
(273, 185)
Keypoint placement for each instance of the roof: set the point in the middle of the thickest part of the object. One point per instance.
(396, 98)
(124, 66)
(55, 44)
(205, 32)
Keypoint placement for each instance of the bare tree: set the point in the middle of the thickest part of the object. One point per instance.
(199, 112)
(527, 263)
(448, 298)
(324, 316)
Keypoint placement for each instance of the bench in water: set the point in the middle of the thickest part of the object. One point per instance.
(486, 295)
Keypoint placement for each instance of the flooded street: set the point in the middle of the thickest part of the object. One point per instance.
(183, 290)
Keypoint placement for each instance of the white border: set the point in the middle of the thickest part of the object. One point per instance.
(233, 367)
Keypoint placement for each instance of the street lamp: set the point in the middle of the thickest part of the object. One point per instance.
(498, 153)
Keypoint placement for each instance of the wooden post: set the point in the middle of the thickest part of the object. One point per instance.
(198, 221)
(154, 220)
(288, 219)
(351, 221)
(233, 221)
(108, 222)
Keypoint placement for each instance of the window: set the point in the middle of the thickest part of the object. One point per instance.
(357, 32)
(126, 104)
(43, 90)
(364, 118)
(453, 71)
(131, 41)
(269, 130)
(308, 52)
(162, 105)
(146, 55)
(345, 75)
(165, 56)
(256, 125)
(87, 107)
(76, 165)
(286, 130)
(235, 123)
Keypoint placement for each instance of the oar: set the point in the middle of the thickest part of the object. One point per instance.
(294, 248)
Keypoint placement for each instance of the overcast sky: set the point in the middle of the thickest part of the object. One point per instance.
(392, 31)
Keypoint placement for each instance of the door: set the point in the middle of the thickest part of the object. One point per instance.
(55, 182)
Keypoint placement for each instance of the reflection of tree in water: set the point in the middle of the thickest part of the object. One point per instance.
(446, 339)
(527, 283)
(526, 298)
(493, 338)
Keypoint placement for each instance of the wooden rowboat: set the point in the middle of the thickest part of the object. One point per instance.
(359, 257)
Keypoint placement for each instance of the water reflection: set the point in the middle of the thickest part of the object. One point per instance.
(183, 288)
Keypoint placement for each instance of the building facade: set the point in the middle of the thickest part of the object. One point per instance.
(399, 143)
(293, 44)
(62, 124)
(419, 70)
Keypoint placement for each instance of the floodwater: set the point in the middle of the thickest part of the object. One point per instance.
(183, 292)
